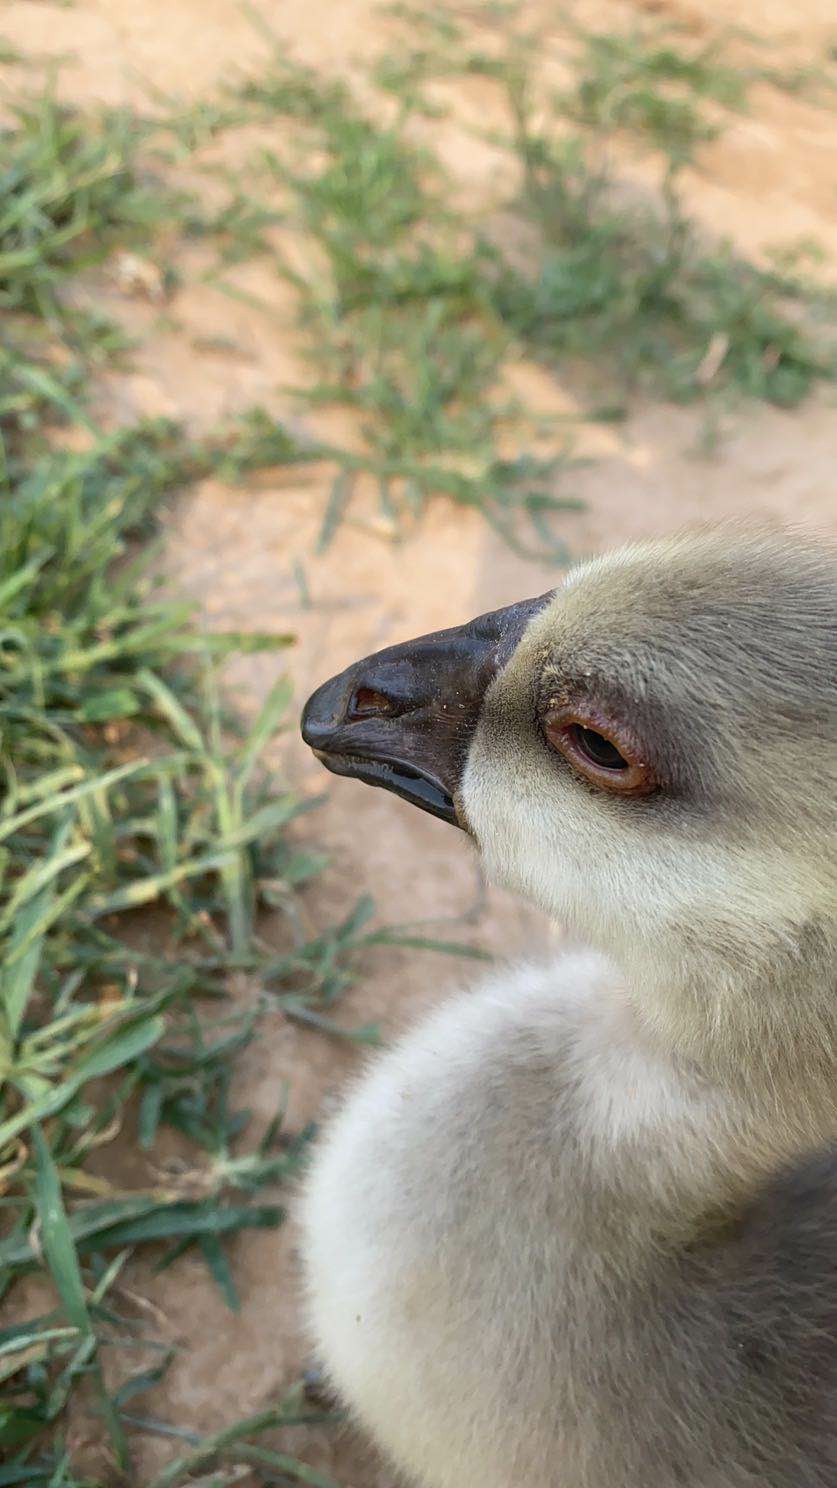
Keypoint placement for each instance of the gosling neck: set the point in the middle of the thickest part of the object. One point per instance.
(767, 1043)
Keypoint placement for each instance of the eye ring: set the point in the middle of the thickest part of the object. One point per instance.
(598, 749)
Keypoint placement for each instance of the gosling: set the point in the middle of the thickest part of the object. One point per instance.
(579, 1228)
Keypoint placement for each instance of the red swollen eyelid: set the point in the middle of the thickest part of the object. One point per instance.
(561, 725)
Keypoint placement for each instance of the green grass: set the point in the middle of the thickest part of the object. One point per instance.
(413, 310)
(635, 290)
(126, 789)
(70, 190)
(616, 281)
(399, 316)
(625, 280)
(647, 84)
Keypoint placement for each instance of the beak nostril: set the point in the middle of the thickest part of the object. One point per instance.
(366, 702)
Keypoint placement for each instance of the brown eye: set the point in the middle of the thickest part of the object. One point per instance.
(598, 750)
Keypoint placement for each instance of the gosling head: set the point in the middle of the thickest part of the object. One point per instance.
(649, 753)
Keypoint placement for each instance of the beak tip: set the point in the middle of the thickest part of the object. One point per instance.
(322, 715)
(305, 729)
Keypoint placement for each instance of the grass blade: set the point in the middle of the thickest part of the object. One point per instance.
(56, 1237)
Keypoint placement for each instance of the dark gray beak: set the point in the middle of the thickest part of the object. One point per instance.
(404, 718)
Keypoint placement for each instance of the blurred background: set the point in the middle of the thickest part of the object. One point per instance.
(322, 326)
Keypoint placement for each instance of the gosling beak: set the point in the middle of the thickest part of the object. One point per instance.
(404, 718)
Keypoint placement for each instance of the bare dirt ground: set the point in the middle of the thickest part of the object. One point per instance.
(772, 177)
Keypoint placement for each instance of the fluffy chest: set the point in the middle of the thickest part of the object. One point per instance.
(479, 1222)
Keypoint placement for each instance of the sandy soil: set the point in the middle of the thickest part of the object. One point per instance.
(771, 178)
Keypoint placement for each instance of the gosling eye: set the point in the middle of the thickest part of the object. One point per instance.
(598, 749)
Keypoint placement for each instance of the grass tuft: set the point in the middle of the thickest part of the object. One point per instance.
(70, 190)
(648, 84)
(400, 318)
(634, 289)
